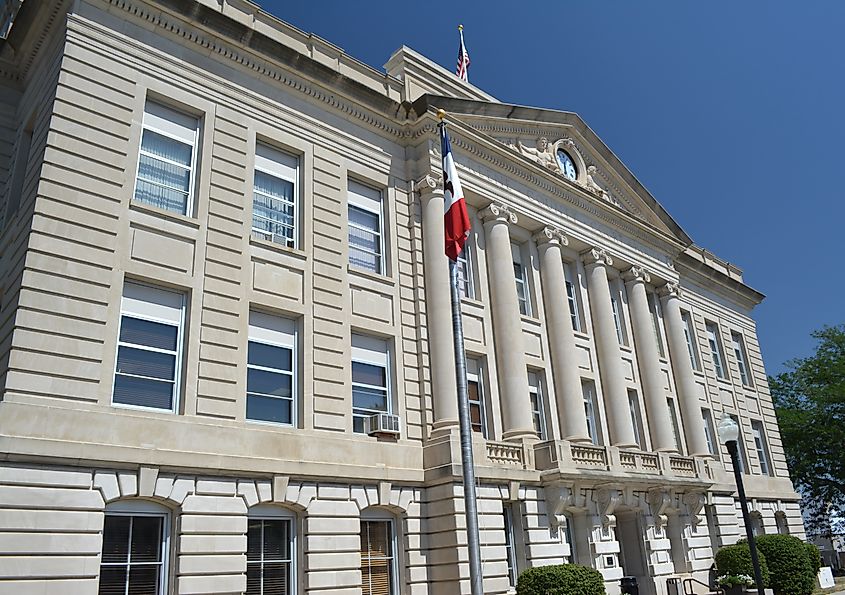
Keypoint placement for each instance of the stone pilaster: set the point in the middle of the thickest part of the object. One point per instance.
(564, 357)
(648, 358)
(610, 356)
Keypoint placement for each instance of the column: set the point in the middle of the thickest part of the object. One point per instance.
(648, 358)
(507, 325)
(684, 377)
(613, 383)
(564, 357)
(441, 351)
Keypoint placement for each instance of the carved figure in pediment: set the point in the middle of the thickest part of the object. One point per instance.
(593, 186)
(542, 154)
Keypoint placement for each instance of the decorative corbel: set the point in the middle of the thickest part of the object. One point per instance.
(498, 212)
(608, 499)
(559, 498)
(659, 502)
(694, 501)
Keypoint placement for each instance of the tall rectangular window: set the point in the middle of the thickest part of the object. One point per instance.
(271, 369)
(475, 391)
(741, 358)
(378, 558)
(716, 349)
(520, 273)
(275, 196)
(466, 284)
(588, 390)
(370, 379)
(654, 310)
(366, 243)
(134, 553)
(618, 316)
(167, 160)
(535, 393)
(760, 445)
(709, 431)
(149, 351)
(510, 541)
(270, 556)
(740, 445)
(676, 432)
(572, 296)
(689, 335)
(636, 418)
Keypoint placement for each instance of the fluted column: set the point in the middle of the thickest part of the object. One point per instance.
(441, 351)
(564, 356)
(648, 359)
(684, 377)
(610, 356)
(507, 325)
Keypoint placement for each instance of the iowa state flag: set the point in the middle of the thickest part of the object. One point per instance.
(456, 219)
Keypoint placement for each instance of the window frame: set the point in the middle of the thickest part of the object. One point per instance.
(393, 565)
(466, 278)
(142, 508)
(525, 303)
(538, 409)
(590, 399)
(671, 404)
(758, 433)
(637, 418)
(475, 373)
(717, 353)
(510, 540)
(573, 296)
(358, 200)
(689, 334)
(387, 365)
(179, 353)
(293, 346)
(741, 355)
(740, 446)
(190, 198)
(656, 313)
(279, 173)
(710, 431)
(619, 321)
(269, 512)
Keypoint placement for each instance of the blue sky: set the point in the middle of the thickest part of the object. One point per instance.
(728, 112)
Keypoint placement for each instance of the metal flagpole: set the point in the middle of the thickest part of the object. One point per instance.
(466, 436)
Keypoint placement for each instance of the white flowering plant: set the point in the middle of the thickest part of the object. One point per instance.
(734, 580)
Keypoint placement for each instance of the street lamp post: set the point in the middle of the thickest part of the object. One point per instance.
(729, 434)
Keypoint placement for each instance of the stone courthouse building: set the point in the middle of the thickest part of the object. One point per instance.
(225, 341)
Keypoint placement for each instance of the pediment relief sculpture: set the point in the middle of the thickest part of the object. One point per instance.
(541, 153)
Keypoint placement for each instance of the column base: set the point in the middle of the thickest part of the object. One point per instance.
(445, 427)
(521, 435)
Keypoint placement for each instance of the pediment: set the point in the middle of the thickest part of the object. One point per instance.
(546, 138)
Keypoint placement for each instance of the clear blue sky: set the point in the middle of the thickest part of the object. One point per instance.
(729, 112)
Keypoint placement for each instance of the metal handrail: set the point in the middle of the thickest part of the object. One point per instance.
(687, 582)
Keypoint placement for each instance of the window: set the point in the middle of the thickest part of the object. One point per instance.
(588, 390)
(378, 559)
(475, 392)
(370, 379)
(673, 414)
(760, 446)
(22, 159)
(618, 319)
(741, 358)
(716, 349)
(510, 541)
(366, 244)
(781, 523)
(572, 297)
(740, 446)
(270, 552)
(709, 430)
(654, 310)
(135, 546)
(275, 196)
(149, 348)
(636, 418)
(271, 365)
(466, 283)
(689, 335)
(520, 273)
(535, 393)
(167, 161)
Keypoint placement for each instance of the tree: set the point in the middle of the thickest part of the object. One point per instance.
(810, 403)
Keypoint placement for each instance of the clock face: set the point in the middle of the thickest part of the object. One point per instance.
(567, 166)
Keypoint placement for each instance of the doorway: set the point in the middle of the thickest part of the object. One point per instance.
(632, 553)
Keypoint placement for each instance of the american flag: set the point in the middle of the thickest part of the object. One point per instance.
(463, 58)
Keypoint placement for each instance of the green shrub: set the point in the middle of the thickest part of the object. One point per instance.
(561, 579)
(790, 567)
(736, 560)
(815, 557)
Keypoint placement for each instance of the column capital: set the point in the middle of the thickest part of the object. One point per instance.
(551, 235)
(427, 184)
(498, 212)
(597, 256)
(636, 274)
(669, 290)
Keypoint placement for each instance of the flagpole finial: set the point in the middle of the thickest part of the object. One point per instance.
(460, 27)
(441, 114)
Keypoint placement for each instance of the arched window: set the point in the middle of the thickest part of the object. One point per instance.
(379, 569)
(757, 527)
(781, 523)
(271, 551)
(136, 542)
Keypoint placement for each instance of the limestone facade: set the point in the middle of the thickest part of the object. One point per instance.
(604, 343)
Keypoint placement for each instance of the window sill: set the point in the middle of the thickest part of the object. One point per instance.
(368, 276)
(530, 319)
(279, 248)
(162, 213)
(475, 303)
(581, 335)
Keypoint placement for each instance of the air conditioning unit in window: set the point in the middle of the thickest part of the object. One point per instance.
(382, 424)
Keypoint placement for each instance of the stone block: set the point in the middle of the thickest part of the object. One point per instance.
(213, 505)
(147, 481)
(248, 491)
(215, 583)
(193, 523)
(212, 544)
(216, 487)
(106, 482)
(332, 492)
(128, 483)
(212, 564)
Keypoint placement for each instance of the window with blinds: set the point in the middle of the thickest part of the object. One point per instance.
(133, 557)
(535, 394)
(270, 556)
(275, 196)
(475, 398)
(378, 569)
(466, 284)
(572, 296)
(366, 243)
(271, 365)
(149, 351)
(370, 379)
(520, 273)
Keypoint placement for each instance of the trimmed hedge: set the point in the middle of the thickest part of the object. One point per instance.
(815, 557)
(560, 579)
(736, 559)
(790, 567)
